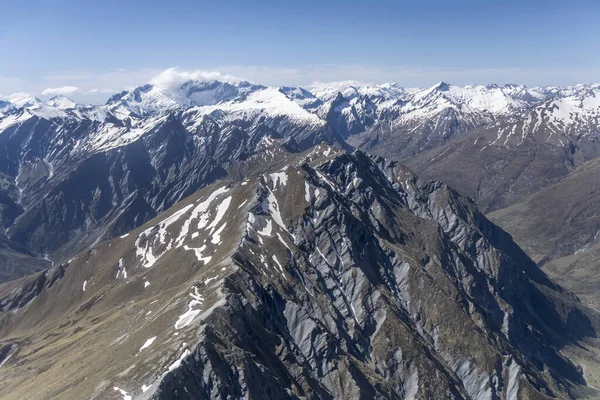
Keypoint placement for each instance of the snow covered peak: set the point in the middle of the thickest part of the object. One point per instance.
(213, 92)
(576, 107)
(23, 100)
(443, 86)
(492, 99)
(265, 101)
(152, 99)
(352, 89)
(61, 102)
(301, 96)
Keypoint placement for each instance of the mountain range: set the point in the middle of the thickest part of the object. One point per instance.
(228, 239)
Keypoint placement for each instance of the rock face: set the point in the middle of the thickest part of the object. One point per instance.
(314, 274)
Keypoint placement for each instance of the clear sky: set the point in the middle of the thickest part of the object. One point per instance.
(106, 46)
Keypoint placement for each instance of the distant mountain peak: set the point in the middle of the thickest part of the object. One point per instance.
(61, 102)
(443, 86)
(23, 100)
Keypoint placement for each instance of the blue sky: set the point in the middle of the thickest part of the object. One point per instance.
(106, 46)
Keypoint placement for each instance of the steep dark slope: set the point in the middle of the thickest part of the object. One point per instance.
(16, 261)
(319, 274)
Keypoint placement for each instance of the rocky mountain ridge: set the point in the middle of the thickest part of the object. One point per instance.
(314, 274)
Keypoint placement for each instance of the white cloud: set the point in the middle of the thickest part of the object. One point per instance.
(174, 77)
(60, 90)
(349, 82)
(95, 91)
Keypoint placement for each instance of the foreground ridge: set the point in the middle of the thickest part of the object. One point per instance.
(304, 274)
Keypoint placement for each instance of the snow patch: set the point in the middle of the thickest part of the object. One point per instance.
(148, 343)
(267, 230)
(279, 178)
(306, 192)
(123, 393)
(177, 363)
(186, 318)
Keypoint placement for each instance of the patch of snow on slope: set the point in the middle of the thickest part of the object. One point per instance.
(122, 272)
(177, 363)
(221, 210)
(186, 318)
(279, 265)
(216, 236)
(267, 230)
(279, 178)
(306, 192)
(123, 393)
(273, 207)
(201, 213)
(146, 252)
(198, 251)
(148, 343)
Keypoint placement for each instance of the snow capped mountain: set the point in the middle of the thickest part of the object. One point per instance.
(569, 115)
(301, 96)
(151, 99)
(267, 102)
(501, 162)
(400, 121)
(496, 100)
(352, 89)
(61, 102)
(23, 100)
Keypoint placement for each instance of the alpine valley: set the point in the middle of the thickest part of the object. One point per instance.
(224, 239)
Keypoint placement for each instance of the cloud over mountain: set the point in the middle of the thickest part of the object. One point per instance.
(174, 77)
(60, 90)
